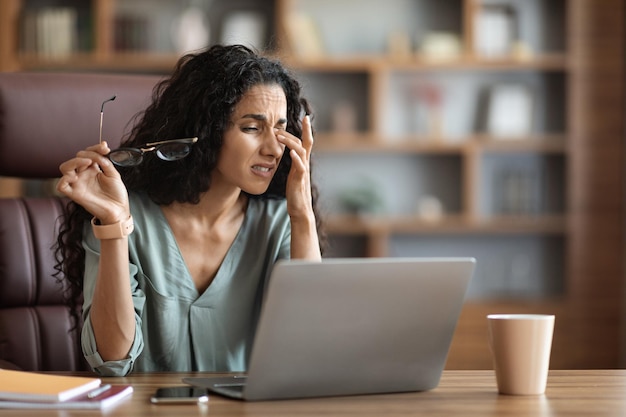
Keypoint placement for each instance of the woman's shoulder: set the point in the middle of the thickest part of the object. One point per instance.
(268, 206)
(267, 213)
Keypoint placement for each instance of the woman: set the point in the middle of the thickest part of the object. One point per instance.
(171, 243)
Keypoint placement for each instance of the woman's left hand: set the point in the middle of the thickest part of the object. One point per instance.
(298, 193)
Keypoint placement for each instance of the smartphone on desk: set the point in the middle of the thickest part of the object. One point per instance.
(180, 395)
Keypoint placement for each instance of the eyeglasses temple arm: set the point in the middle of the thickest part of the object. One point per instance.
(102, 116)
(187, 140)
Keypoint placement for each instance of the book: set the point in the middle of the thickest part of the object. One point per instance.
(108, 398)
(39, 387)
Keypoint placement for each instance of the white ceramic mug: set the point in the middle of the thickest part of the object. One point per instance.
(521, 346)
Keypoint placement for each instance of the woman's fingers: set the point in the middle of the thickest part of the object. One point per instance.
(74, 165)
(303, 146)
(298, 182)
(307, 135)
(91, 177)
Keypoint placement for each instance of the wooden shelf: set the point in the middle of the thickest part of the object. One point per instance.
(449, 224)
(335, 64)
(373, 143)
(139, 62)
(372, 63)
(538, 144)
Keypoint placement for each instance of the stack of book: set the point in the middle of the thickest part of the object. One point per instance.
(50, 32)
(19, 389)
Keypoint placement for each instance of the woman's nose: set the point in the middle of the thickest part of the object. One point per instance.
(271, 145)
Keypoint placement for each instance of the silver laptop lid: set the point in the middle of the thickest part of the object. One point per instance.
(356, 326)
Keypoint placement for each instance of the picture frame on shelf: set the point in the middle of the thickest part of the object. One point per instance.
(496, 30)
(510, 109)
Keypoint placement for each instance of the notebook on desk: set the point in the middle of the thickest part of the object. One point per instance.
(351, 326)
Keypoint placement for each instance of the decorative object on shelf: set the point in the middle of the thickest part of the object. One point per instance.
(518, 191)
(496, 30)
(428, 109)
(304, 38)
(429, 208)
(522, 51)
(344, 117)
(363, 198)
(440, 46)
(510, 111)
(190, 31)
(246, 27)
(399, 45)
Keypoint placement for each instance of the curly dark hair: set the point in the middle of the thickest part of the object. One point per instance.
(198, 99)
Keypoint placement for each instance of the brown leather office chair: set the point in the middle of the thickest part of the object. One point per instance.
(45, 118)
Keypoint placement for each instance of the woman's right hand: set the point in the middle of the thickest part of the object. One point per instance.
(91, 180)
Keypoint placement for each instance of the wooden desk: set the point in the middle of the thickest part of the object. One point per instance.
(462, 393)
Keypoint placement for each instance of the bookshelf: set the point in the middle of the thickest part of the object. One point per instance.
(557, 251)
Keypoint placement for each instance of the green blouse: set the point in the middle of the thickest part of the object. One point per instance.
(179, 329)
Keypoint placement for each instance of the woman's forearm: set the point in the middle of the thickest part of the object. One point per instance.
(112, 311)
(304, 239)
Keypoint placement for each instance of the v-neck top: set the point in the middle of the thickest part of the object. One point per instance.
(177, 328)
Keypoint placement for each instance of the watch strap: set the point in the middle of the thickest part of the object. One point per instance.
(112, 231)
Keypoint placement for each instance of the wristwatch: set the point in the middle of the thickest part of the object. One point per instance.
(112, 231)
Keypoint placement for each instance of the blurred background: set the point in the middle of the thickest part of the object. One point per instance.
(485, 128)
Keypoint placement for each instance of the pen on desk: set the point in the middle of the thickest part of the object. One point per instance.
(100, 390)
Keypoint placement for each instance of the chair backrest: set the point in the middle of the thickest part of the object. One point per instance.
(45, 118)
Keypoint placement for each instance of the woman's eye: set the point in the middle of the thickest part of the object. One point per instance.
(249, 128)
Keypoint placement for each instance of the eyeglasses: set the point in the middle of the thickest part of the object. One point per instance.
(102, 114)
(167, 150)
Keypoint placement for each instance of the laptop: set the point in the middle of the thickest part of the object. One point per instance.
(351, 326)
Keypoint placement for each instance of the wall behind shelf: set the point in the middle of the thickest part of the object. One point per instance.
(138, 26)
(539, 181)
(507, 267)
(162, 17)
(400, 180)
(362, 26)
(542, 23)
(465, 100)
(327, 90)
